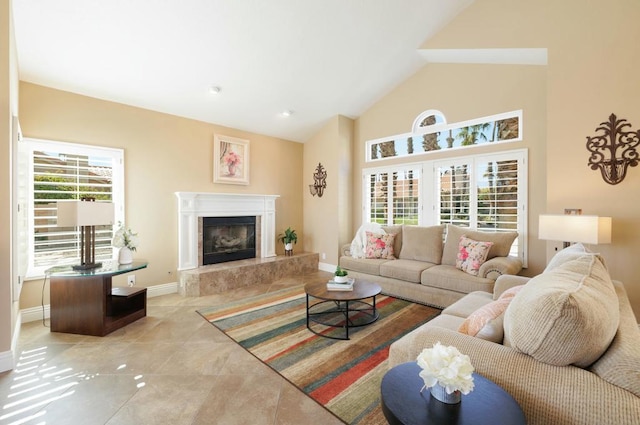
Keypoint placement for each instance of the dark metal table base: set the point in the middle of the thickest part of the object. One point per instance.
(341, 314)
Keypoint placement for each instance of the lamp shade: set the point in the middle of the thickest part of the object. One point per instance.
(589, 229)
(81, 213)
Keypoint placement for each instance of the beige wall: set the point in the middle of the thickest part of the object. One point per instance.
(164, 154)
(327, 220)
(592, 72)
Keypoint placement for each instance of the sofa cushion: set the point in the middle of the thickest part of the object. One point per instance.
(379, 246)
(466, 305)
(452, 279)
(620, 364)
(362, 265)
(408, 270)
(568, 315)
(502, 242)
(397, 242)
(422, 243)
(471, 255)
(487, 321)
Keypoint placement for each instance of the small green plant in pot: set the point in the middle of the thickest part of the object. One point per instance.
(288, 238)
(340, 275)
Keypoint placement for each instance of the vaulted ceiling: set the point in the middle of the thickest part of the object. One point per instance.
(314, 59)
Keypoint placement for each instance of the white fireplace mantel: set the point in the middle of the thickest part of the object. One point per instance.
(192, 205)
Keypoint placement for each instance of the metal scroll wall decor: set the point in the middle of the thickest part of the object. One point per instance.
(319, 181)
(615, 150)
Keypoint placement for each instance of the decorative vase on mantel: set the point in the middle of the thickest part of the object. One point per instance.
(125, 256)
(440, 393)
(288, 248)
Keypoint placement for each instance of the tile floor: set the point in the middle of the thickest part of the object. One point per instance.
(171, 367)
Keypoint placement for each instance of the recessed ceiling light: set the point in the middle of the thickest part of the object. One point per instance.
(286, 113)
(214, 89)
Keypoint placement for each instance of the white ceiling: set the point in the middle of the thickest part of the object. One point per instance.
(316, 58)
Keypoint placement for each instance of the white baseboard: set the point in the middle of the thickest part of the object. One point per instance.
(8, 359)
(164, 289)
(34, 314)
(326, 267)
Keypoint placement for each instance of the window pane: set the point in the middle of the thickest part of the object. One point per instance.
(454, 195)
(378, 205)
(59, 176)
(393, 196)
(405, 197)
(495, 128)
(497, 185)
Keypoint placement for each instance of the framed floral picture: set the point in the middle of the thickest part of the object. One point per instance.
(230, 160)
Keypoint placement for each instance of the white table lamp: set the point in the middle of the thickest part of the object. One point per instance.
(87, 214)
(589, 229)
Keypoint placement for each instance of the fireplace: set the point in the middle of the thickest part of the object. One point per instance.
(194, 206)
(228, 239)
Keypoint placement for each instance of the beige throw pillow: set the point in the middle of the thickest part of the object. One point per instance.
(568, 315)
(502, 242)
(422, 243)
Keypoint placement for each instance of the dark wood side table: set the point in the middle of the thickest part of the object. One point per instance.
(84, 302)
(403, 403)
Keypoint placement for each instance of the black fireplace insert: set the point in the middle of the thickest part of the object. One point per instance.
(228, 239)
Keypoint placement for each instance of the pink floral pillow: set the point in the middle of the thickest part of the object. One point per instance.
(471, 255)
(487, 321)
(379, 246)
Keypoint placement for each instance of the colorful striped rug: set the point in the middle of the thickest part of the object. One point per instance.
(343, 376)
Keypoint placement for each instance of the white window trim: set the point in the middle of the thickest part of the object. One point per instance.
(391, 169)
(80, 149)
(444, 127)
(430, 197)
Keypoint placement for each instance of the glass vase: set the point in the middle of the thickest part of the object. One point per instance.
(440, 393)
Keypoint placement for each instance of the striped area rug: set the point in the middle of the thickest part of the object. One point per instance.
(343, 376)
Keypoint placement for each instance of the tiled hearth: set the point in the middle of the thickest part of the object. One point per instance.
(216, 278)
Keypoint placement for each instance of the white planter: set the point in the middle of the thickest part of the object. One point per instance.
(341, 279)
(125, 256)
(288, 246)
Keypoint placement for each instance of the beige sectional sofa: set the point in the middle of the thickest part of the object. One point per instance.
(424, 269)
(568, 343)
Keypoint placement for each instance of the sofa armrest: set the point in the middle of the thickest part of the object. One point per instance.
(507, 281)
(346, 250)
(498, 266)
(547, 394)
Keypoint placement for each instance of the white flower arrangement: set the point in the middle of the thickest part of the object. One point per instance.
(446, 366)
(125, 237)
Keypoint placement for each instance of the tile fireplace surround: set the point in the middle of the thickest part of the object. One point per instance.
(196, 279)
(194, 205)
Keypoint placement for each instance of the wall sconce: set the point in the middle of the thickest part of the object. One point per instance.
(615, 150)
(319, 181)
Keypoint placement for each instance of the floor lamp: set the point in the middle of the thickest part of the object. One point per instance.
(87, 214)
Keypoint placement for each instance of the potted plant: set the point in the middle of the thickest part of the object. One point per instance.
(340, 275)
(288, 238)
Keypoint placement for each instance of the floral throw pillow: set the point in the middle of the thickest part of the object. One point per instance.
(471, 255)
(379, 246)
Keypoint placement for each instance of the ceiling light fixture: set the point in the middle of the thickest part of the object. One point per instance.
(214, 89)
(286, 113)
